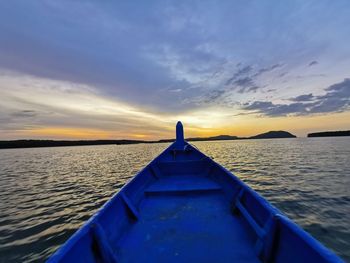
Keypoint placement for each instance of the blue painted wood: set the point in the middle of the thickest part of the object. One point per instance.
(103, 247)
(179, 209)
(130, 205)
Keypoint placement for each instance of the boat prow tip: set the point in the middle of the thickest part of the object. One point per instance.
(179, 133)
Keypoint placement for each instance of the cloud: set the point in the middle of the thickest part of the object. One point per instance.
(313, 63)
(241, 86)
(245, 85)
(270, 109)
(336, 99)
(306, 97)
(271, 90)
(57, 109)
(338, 90)
(259, 105)
(244, 82)
(214, 95)
(50, 103)
(25, 114)
(243, 71)
(267, 69)
(248, 89)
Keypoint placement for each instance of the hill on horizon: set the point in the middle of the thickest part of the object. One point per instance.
(273, 135)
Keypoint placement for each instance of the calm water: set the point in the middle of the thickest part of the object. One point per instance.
(47, 193)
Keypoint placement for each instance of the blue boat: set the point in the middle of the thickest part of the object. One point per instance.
(184, 207)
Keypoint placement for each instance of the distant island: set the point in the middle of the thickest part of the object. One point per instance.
(273, 135)
(329, 134)
(54, 143)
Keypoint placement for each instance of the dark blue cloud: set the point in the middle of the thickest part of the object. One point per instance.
(270, 109)
(244, 82)
(268, 69)
(245, 85)
(239, 73)
(336, 99)
(244, 79)
(313, 63)
(262, 106)
(339, 90)
(306, 97)
(240, 82)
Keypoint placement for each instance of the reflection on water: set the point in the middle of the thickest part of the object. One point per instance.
(47, 193)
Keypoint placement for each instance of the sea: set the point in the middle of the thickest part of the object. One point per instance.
(46, 194)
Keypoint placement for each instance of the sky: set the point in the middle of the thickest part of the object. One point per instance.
(132, 69)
